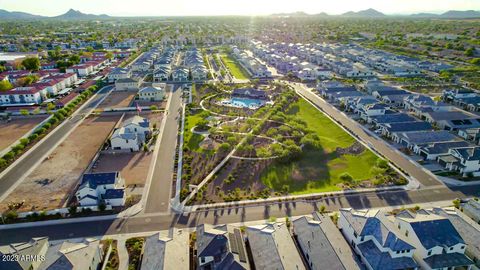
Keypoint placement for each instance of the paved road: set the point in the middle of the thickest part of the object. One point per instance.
(425, 179)
(155, 222)
(31, 158)
(158, 197)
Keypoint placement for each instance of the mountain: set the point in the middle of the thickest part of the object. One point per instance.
(292, 14)
(77, 15)
(461, 14)
(425, 15)
(16, 15)
(364, 13)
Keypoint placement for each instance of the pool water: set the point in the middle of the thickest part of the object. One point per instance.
(247, 103)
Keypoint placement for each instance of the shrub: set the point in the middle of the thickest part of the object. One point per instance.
(382, 163)
(9, 156)
(346, 177)
(32, 137)
(153, 108)
(24, 141)
(18, 148)
(47, 125)
(3, 163)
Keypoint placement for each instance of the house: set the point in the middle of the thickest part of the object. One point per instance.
(472, 210)
(390, 118)
(161, 74)
(73, 255)
(94, 187)
(434, 150)
(140, 65)
(454, 94)
(32, 251)
(127, 84)
(166, 250)
(470, 134)
(438, 245)
(373, 109)
(82, 70)
(152, 93)
(389, 129)
(319, 246)
(272, 247)
(220, 248)
(467, 229)
(199, 73)
(132, 135)
(118, 73)
(415, 140)
(376, 244)
(465, 160)
(180, 74)
(23, 96)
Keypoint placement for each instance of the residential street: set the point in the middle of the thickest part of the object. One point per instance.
(155, 222)
(158, 197)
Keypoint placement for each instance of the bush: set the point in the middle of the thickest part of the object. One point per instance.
(32, 137)
(3, 163)
(9, 156)
(153, 108)
(346, 177)
(24, 141)
(382, 163)
(18, 148)
(47, 125)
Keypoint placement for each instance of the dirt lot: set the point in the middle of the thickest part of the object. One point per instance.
(16, 128)
(117, 99)
(133, 167)
(49, 185)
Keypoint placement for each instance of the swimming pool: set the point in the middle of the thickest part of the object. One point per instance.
(246, 102)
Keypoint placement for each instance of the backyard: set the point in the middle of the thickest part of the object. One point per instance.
(14, 129)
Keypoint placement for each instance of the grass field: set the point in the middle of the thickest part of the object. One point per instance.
(235, 69)
(319, 171)
(192, 140)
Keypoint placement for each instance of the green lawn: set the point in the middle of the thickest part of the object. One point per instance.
(235, 69)
(319, 171)
(190, 139)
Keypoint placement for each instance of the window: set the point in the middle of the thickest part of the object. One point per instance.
(429, 253)
(463, 247)
(406, 233)
(451, 248)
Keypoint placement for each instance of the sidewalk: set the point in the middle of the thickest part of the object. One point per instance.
(122, 253)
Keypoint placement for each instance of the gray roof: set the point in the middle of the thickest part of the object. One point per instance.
(469, 153)
(408, 126)
(392, 118)
(445, 260)
(443, 147)
(424, 137)
(137, 120)
(150, 89)
(273, 248)
(164, 251)
(126, 80)
(32, 247)
(320, 252)
(70, 255)
(450, 115)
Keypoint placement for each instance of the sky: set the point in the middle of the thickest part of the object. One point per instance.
(228, 7)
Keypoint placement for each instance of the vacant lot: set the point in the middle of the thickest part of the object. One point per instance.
(236, 70)
(50, 184)
(12, 131)
(118, 99)
(133, 167)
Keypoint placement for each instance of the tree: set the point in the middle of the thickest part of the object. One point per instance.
(31, 63)
(322, 208)
(382, 163)
(5, 85)
(346, 177)
(153, 108)
(3, 163)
